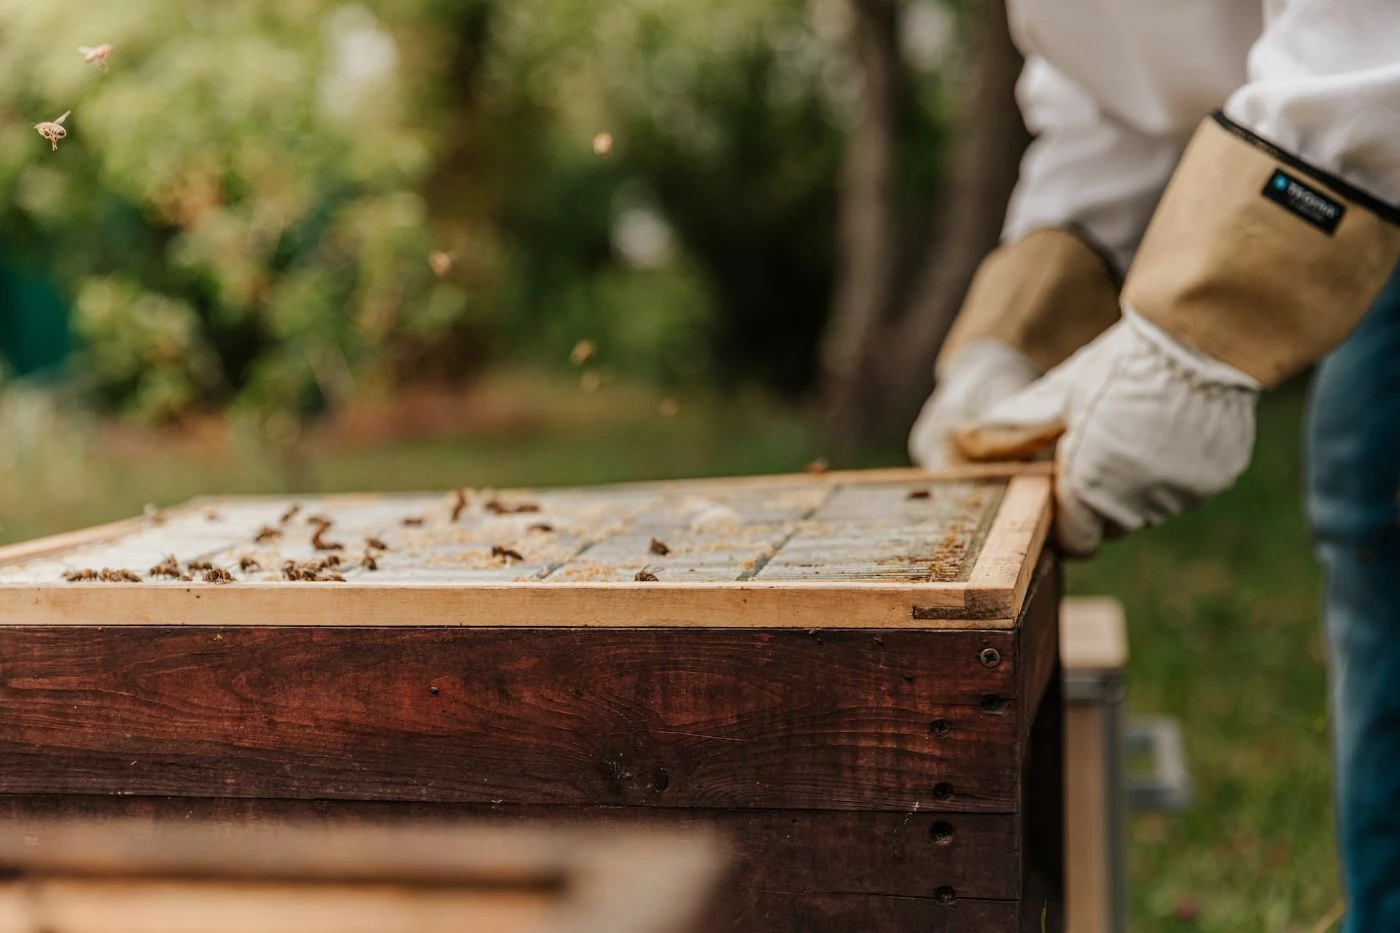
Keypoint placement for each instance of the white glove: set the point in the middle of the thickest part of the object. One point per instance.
(974, 379)
(1150, 428)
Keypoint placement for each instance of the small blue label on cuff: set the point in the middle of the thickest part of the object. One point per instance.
(1304, 201)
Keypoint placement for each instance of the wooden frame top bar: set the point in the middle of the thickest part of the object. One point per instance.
(987, 593)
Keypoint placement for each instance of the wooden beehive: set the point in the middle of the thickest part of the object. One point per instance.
(127, 876)
(854, 676)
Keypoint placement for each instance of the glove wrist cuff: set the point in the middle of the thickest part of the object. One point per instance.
(1258, 260)
(1045, 295)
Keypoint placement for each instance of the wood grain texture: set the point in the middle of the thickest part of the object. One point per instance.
(998, 582)
(663, 718)
(596, 605)
(786, 851)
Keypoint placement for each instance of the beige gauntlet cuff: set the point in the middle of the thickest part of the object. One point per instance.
(1258, 259)
(1047, 294)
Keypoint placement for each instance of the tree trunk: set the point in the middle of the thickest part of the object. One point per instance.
(868, 226)
(887, 356)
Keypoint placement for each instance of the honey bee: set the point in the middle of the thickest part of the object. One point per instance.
(320, 521)
(218, 575)
(199, 565)
(247, 564)
(506, 554)
(96, 55)
(497, 507)
(80, 576)
(170, 567)
(117, 576)
(412, 521)
(440, 262)
(542, 527)
(333, 577)
(917, 494)
(321, 544)
(377, 544)
(459, 503)
(53, 130)
(646, 576)
(368, 562)
(290, 514)
(659, 548)
(265, 534)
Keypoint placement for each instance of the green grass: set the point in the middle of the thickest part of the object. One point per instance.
(1222, 606)
(1224, 634)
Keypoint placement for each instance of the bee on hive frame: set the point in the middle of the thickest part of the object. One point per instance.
(53, 130)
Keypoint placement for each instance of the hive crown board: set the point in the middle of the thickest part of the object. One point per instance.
(883, 548)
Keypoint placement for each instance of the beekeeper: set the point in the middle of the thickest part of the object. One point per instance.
(1209, 208)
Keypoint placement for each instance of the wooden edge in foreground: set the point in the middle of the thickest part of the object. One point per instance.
(74, 877)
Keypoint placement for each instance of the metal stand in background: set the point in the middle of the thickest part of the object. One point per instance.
(1099, 742)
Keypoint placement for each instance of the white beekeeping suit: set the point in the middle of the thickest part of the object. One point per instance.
(1277, 124)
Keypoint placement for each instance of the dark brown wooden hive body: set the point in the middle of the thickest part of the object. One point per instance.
(853, 676)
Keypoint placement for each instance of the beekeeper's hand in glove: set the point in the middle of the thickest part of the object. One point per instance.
(1150, 428)
(969, 382)
(1032, 303)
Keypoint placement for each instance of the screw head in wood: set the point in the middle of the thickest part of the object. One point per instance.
(990, 657)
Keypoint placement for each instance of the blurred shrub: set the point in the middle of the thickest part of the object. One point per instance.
(245, 205)
(237, 212)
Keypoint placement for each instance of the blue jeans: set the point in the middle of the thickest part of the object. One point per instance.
(1353, 436)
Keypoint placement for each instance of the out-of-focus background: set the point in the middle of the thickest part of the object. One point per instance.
(408, 244)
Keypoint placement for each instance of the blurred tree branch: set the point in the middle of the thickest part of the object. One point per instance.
(886, 328)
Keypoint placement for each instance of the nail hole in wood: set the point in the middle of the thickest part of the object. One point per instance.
(940, 728)
(945, 895)
(943, 791)
(942, 833)
(991, 703)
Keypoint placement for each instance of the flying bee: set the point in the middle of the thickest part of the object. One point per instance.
(53, 130)
(377, 544)
(506, 554)
(96, 55)
(459, 503)
(368, 562)
(265, 534)
(441, 263)
(659, 547)
(246, 564)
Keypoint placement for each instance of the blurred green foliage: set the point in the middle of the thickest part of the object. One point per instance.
(244, 206)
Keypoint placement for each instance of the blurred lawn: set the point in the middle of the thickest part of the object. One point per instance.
(1222, 603)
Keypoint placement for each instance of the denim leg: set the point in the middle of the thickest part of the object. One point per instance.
(1353, 436)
